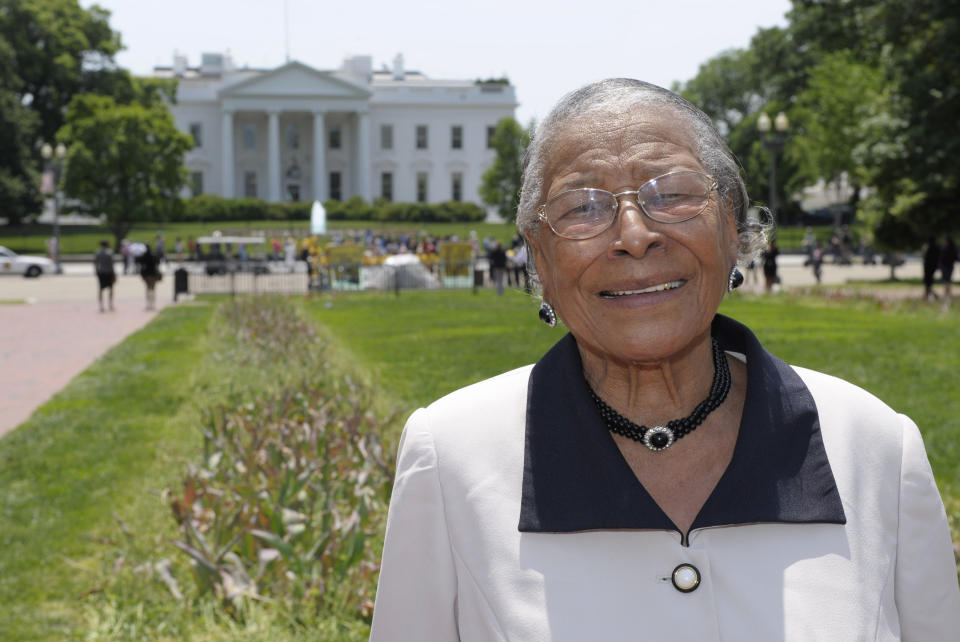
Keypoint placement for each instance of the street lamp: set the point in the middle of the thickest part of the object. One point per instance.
(53, 165)
(773, 140)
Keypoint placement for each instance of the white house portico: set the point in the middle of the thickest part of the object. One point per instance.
(297, 133)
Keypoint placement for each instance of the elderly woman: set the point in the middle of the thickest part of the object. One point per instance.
(657, 475)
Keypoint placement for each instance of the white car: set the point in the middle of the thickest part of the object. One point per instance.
(13, 263)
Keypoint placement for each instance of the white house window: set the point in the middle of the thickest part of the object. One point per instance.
(196, 183)
(293, 137)
(456, 137)
(422, 187)
(335, 180)
(335, 138)
(456, 186)
(196, 130)
(249, 136)
(421, 136)
(386, 136)
(250, 184)
(386, 185)
(490, 132)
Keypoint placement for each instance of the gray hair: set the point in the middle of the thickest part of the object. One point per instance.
(623, 95)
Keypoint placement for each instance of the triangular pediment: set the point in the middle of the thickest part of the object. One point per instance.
(295, 79)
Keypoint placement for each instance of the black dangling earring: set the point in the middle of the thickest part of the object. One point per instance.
(547, 315)
(735, 280)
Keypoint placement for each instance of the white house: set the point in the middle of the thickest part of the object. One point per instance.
(299, 133)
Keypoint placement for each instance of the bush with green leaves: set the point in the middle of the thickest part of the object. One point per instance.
(288, 503)
(211, 208)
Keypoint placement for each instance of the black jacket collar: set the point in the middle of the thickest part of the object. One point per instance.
(575, 479)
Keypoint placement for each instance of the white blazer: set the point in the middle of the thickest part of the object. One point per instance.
(514, 517)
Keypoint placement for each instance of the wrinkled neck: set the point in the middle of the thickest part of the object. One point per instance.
(652, 393)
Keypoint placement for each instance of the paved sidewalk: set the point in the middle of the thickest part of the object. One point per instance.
(45, 343)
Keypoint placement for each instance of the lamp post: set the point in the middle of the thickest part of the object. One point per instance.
(773, 140)
(53, 160)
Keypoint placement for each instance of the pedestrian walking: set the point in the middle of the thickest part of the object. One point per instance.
(770, 265)
(106, 276)
(931, 263)
(150, 273)
(948, 257)
(498, 265)
(126, 255)
(816, 260)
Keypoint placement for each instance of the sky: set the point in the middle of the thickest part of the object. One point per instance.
(545, 48)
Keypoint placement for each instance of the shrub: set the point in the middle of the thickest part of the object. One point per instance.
(290, 499)
(211, 208)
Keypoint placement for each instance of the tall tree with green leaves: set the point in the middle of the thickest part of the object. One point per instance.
(125, 161)
(911, 158)
(19, 175)
(833, 114)
(501, 183)
(50, 50)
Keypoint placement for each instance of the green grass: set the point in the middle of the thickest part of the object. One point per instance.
(85, 239)
(102, 446)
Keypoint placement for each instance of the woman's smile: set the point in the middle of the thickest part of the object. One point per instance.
(662, 287)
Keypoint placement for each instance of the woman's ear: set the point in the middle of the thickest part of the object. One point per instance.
(536, 253)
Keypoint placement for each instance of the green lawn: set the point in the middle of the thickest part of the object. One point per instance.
(102, 446)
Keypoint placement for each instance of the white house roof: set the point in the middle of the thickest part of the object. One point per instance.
(295, 79)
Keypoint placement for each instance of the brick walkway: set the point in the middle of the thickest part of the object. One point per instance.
(45, 344)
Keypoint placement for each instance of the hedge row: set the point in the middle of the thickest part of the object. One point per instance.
(209, 208)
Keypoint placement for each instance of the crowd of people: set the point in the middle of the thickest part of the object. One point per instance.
(506, 263)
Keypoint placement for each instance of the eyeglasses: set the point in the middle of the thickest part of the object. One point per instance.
(587, 212)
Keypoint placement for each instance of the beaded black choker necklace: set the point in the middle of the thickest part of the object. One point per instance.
(662, 437)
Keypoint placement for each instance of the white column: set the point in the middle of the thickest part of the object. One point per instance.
(319, 157)
(227, 161)
(361, 183)
(273, 156)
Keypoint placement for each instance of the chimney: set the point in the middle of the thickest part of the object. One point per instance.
(179, 64)
(398, 72)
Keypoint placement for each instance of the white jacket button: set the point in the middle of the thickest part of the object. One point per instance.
(686, 578)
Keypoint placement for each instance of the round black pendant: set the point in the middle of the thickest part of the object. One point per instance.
(658, 438)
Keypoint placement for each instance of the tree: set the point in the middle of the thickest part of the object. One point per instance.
(911, 158)
(49, 51)
(124, 161)
(19, 178)
(833, 117)
(501, 183)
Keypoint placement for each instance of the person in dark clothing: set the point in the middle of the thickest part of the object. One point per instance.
(948, 257)
(816, 260)
(770, 264)
(498, 265)
(106, 276)
(931, 263)
(150, 273)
